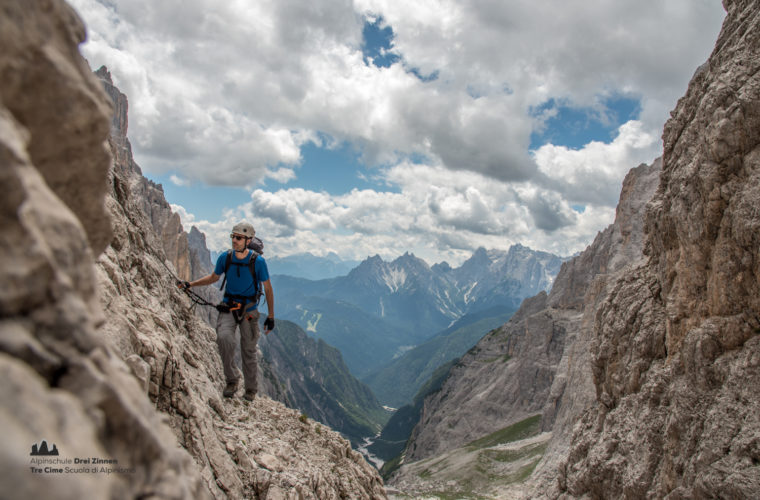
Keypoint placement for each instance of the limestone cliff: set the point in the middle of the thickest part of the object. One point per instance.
(137, 194)
(676, 344)
(174, 354)
(90, 379)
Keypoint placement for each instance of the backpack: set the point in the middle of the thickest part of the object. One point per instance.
(256, 245)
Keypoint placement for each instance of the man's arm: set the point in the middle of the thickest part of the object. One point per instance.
(269, 294)
(206, 280)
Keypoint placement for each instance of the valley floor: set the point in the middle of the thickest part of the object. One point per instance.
(494, 467)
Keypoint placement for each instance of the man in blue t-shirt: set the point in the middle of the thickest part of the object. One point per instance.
(241, 294)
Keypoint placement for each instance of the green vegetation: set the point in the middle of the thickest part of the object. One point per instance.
(515, 432)
(513, 455)
(485, 466)
(390, 466)
(526, 471)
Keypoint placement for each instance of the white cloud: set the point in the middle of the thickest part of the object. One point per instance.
(438, 214)
(594, 174)
(178, 181)
(228, 94)
(227, 87)
(281, 175)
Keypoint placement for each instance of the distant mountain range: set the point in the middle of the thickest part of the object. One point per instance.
(304, 265)
(380, 309)
(310, 266)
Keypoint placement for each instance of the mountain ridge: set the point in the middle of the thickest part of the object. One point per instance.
(409, 299)
(191, 259)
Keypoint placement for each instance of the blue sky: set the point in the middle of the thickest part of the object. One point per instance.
(335, 170)
(383, 127)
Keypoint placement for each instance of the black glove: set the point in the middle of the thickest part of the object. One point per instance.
(269, 324)
(184, 285)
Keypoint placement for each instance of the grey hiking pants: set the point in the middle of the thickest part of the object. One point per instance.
(249, 337)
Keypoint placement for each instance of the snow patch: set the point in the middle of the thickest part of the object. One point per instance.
(311, 325)
(469, 291)
(402, 349)
(394, 278)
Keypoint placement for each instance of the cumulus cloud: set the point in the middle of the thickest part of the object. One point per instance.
(594, 173)
(228, 88)
(436, 213)
(229, 93)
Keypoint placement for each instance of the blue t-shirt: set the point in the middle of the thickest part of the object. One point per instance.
(239, 279)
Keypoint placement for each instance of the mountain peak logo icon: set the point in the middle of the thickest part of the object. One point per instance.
(43, 449)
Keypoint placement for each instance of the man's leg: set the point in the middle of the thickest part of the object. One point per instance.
(225, 340)
(249, 337)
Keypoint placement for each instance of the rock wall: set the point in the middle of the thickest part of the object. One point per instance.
(676, 345)
(655, 393)
(586, 283)
(89, 353)
(61, 381)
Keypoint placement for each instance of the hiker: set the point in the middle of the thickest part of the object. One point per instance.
(245, 272)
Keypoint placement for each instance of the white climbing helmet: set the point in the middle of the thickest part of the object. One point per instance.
(244, 229)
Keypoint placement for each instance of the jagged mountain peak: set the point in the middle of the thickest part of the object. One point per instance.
(441, 267)
(378, 268)
(411, 263)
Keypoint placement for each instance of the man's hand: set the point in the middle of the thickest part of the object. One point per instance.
(268, 325)
(183, 285)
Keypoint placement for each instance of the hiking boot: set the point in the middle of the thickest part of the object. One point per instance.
(249, 395)
(230, 389)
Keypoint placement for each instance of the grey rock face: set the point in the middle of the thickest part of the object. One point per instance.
(61, 381)
(655, 394)
(200, 256)
(676, 345)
